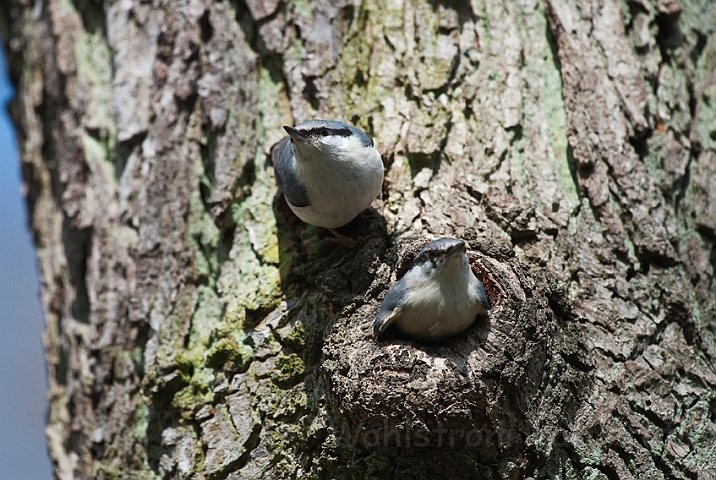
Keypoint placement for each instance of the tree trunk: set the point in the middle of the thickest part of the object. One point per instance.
(196, 329)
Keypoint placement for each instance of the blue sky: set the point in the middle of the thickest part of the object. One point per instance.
(23, 403)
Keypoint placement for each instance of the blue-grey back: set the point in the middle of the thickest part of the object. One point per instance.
(394, 299)
(392, 304)
(284, 167)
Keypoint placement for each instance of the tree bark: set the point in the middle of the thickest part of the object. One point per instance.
(196, 329)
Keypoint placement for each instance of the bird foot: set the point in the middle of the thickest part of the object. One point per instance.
(346, 241)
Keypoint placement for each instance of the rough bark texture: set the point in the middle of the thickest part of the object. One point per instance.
(195, 329)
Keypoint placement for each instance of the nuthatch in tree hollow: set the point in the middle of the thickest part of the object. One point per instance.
(437, 298)
(328, 171)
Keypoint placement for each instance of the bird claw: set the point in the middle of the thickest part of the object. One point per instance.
(346, 241)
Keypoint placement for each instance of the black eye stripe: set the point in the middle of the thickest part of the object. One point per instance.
(429, 256)
(325, 131)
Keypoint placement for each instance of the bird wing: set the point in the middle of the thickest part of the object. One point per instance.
(284, 167)
(391, 308)
(482, 295)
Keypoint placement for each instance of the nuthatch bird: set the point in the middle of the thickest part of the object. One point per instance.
(437, 298)
(328, 171)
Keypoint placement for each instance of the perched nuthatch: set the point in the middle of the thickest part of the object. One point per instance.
(437, 298)
(328, 171)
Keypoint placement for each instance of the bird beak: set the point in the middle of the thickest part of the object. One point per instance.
(295, 134)
(456, 249)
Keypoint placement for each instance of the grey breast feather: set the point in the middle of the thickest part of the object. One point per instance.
(284, 167)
